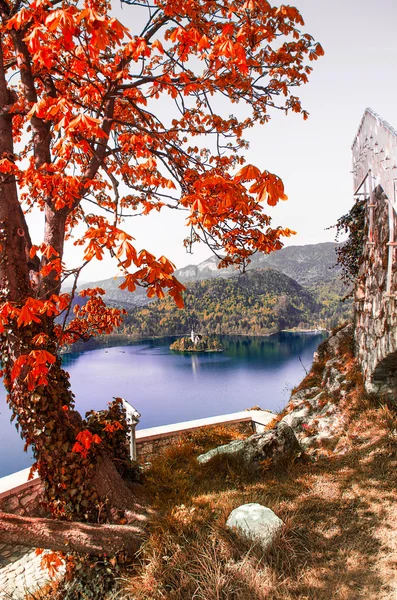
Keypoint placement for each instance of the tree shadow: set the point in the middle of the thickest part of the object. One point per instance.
(341, 509)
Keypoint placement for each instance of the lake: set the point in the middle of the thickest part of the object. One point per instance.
(168, 387)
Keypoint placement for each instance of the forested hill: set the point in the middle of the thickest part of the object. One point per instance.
(258, 302)
(261, 301)
(309, 265)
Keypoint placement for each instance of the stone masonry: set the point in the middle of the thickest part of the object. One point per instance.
(24, 500)
(375, 311)
(19, 566)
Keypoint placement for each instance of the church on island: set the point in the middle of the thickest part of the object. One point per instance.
(195, 337)
(196, 343)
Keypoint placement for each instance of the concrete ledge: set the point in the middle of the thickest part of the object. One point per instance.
(262, 417)
(16, 482)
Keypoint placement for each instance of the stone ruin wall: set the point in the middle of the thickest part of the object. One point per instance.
(376, 313)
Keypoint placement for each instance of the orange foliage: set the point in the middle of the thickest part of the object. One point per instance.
(93, 84)
(51, 561)
(100, 123)
(84, 440)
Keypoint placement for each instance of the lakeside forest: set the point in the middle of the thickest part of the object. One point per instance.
(256, 303)
(308, 294)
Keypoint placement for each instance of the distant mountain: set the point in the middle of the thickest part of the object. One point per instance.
(117, 297)
(306, 264)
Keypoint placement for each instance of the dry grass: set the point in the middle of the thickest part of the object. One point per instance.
(41, 594)
(339, 540)
(340, 515)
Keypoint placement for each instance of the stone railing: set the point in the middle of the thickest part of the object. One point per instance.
(22, 497)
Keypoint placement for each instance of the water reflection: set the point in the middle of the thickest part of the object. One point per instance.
(195, 364)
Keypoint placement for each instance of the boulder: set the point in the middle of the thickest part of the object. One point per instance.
(278, 444)
(296, 417)
(255, 522)
(336, 341)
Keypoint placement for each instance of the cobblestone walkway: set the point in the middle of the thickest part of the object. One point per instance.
(20, 572)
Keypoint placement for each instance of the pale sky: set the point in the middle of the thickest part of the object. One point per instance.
(312, 157)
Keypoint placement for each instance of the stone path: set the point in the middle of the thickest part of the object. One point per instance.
(20, 572)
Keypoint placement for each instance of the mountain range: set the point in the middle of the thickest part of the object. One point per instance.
(308, 265)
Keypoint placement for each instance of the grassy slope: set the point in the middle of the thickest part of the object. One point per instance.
(340, 515)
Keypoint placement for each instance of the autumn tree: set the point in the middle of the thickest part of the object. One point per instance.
(99, 122)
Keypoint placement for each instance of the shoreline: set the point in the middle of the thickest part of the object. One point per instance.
(115, 340)
(318, 330)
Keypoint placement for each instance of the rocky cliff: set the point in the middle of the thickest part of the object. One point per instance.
(318, 408)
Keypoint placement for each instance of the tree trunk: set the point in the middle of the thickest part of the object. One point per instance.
(66, 536)
(76, 486)
(109, 485)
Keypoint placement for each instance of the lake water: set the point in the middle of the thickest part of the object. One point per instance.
(168, 387)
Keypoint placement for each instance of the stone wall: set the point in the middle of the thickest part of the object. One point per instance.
(20, 568)
(147, 448)
(375, 312)
(24, 499)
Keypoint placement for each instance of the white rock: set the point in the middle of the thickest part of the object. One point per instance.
(309, 443)
(255, 522)
(325, 425)
(295, 418)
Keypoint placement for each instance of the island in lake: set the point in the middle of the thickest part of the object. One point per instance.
(197, 343)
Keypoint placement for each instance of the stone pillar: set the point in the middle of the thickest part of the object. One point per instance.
(133, 417)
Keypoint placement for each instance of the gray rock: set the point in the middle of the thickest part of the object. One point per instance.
(255, 522)
(234, 447)
(333, 378)
(278, 444)
(314, 402)
(309, 443)
(295, 418)
(328, 409)
(299, 397)
(335, 341)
